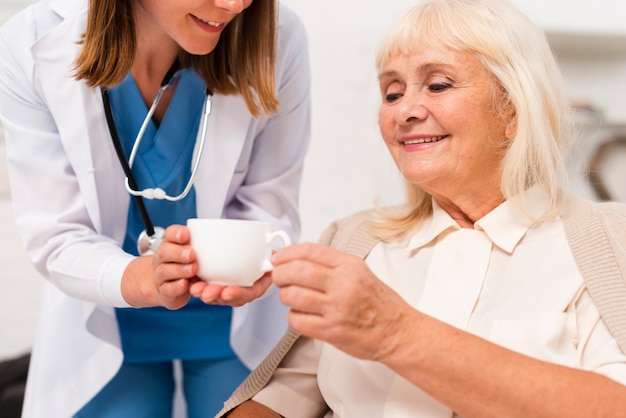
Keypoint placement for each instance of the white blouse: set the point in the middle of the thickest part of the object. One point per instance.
(509, 281)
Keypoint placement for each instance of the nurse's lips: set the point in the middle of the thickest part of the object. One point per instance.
(209, 25)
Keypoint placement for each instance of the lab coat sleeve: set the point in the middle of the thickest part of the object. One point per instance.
(50, 211)
(270, 189)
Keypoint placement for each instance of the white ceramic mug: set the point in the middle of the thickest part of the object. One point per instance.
(233, 252)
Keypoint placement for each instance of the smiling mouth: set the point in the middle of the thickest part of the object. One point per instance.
(210, 22)
(424, 140)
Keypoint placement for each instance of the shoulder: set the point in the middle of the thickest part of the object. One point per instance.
(38, 19)
(288, 20)
(579, 213)
(596, 233)
(589, 224)
(22, 29)
(47, 29)
(569, 200)
(291, 29)
(351, 234)
(292, 66)
(30, 25)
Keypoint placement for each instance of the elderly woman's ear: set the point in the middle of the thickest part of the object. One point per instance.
(511, 127)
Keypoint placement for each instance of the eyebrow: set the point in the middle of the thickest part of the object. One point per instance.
(422, 68)
(387, 74)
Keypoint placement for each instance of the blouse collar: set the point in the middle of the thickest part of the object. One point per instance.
(505, 225)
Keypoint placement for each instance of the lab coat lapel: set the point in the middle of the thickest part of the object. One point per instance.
(66, 8)
(227, 132)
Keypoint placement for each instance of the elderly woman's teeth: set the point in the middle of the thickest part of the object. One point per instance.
(424, 140)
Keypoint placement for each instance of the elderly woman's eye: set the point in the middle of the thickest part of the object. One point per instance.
(437, 87)
(392, 97)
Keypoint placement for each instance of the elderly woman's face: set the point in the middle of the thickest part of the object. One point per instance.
(438, 120)
(195, 25)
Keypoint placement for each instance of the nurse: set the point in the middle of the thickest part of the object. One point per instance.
(122, 120)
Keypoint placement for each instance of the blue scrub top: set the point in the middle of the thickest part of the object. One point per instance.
(197, 331)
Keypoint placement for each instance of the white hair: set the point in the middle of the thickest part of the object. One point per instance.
(514, 50)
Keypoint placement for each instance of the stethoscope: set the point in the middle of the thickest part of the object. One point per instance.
(150, 238)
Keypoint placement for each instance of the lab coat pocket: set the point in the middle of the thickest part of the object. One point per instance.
(550, 336)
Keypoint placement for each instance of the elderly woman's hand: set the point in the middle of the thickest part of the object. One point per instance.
(334, 297)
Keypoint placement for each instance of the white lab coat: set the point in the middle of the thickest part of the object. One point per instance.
(71, 206)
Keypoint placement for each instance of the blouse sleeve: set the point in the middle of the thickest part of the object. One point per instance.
(598, 349)
(293, 390)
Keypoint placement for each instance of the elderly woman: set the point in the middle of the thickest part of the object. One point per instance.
(491, 292)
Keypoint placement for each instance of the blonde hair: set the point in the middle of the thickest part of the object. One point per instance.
(242, 63)
(517, 55)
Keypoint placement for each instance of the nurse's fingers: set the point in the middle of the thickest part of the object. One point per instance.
(215, 294)
(178, 234)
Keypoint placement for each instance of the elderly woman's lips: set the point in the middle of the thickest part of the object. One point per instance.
(424, 140)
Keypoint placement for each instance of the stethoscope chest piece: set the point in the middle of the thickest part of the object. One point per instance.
(146, 244)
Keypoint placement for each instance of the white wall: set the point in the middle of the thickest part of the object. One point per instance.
(348, 166)
(597, 16)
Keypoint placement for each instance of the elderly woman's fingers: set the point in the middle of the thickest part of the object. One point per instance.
(318, 253)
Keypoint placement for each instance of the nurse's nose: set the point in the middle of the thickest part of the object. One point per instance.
(232, 6)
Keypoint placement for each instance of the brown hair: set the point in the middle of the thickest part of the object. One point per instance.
(241, 63)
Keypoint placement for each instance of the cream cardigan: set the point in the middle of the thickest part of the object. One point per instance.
(596, 233)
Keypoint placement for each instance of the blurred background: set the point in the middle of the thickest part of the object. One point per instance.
(348, 168)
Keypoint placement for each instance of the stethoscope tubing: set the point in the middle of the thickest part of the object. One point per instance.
(130, 178)
(158, 193)
(130, 182)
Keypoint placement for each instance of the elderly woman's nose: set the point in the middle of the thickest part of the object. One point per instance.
(233, 6)
(410, 109)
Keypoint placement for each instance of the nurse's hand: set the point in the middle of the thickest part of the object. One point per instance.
(230, 295)
(163, 279)
(175, 269)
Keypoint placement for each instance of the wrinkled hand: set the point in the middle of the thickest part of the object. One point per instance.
(336, 298)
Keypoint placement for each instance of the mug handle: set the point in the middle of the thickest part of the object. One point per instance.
(267, 264)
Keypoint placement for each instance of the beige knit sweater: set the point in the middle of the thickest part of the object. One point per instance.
(597, 237)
